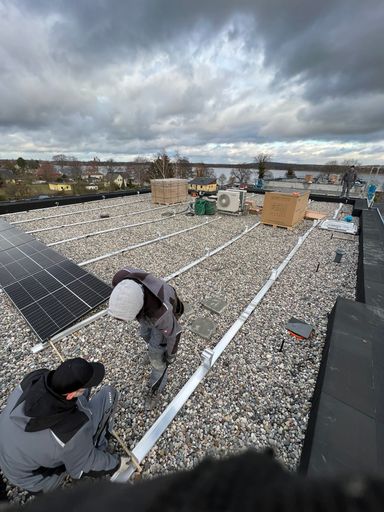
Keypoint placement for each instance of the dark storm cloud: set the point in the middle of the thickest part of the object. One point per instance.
(155, 72)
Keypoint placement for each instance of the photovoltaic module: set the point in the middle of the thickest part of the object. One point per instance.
(50, 291)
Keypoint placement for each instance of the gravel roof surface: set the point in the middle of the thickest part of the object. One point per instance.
(255, 395)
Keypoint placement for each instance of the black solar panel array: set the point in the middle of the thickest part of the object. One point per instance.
(49, 290)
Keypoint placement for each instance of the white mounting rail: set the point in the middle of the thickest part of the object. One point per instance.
(95, 233)
(76, 212)
(148, 242)
(337, 211)
(209, 357)
(129, 214)
(100, 314)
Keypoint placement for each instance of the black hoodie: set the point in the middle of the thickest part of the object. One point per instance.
(48, 409)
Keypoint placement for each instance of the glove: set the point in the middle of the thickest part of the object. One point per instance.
(170, 358)
(124, 464)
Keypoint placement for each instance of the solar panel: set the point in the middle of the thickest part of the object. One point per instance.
(49, 290)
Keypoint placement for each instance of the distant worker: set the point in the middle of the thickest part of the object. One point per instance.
(348, 179)
(156, 306)
(50, 429)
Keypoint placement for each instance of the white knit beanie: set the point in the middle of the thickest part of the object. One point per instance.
(126, 300)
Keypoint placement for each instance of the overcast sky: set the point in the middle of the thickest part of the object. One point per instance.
(215, 80)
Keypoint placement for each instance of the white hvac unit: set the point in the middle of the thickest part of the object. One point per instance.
(231, 201)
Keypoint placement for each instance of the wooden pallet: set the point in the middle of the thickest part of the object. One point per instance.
(279, 226)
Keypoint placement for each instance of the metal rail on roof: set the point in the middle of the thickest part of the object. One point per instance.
(337, 211)
(130, 214)
(100, 314)
(76, 212)
(95, 233)
(209, 357)
(147, 242)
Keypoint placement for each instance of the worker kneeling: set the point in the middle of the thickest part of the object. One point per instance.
(50, 429)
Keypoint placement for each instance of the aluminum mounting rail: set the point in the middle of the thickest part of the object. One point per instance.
(129, 214)
(77, 212)
(337, 211)
(209, 357)
(95, 233)
(147, 242)
(100, 314)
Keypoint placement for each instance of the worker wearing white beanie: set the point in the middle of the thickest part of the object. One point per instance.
(139, 295)
(126, 300)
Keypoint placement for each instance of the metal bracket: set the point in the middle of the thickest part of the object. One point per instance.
(207, 356)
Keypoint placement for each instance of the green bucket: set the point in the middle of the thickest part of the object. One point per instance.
(200, 206)
(210, 207)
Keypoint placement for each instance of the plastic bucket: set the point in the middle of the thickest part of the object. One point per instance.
(210, 207)
(200, 207)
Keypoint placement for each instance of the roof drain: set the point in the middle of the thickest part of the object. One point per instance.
(209, 357)
(95, 233)
(142, 244)
(100, 314)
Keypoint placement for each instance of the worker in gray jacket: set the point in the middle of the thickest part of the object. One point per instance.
(49, 428)
(348, 179)
(154, 303)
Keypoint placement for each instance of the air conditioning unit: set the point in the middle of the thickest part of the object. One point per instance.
(231, 201)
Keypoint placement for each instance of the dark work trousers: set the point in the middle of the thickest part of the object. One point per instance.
(346, 188)
(157, 349)
(103, 406)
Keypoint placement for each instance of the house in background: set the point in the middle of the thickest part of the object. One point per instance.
(59, 187)
(204, 185)
(116, 178)
(6, 176)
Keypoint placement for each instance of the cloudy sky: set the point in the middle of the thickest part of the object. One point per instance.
(215, 80)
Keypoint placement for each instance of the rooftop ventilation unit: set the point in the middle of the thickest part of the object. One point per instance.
(231, 201)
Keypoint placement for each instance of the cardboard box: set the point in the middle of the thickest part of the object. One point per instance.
(312, 215)
(169, 191)
(283, 209)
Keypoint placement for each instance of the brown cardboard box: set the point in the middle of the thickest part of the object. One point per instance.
(282, 209)
(312, 215)
(169, 191)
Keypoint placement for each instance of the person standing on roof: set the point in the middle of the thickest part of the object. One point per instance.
(50, 429)
(348, 179)
(154, 303)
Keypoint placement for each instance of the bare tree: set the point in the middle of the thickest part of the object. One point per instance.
(161, 167)
(46, 171)
(110, 166)
(138, 170)
(183, 167)
(222, 179)
(261, 160)
(241, 174)
(60, 160)
(73, 168)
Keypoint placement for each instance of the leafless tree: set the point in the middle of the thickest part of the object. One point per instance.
(182, 166)
(161, 167)
(261, 160)
(241, 174)
(222, 179)
(60, 160)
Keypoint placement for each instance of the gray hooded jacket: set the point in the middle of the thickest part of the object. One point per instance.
(36, 460)
(162, 307)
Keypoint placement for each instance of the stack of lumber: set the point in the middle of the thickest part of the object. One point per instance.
(169, 191)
